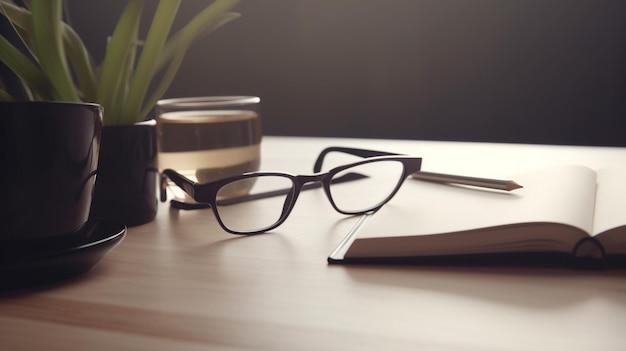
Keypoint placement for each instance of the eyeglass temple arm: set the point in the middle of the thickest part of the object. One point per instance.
(356, 152)
(183, 182)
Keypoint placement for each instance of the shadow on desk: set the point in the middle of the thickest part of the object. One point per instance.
(545, 287)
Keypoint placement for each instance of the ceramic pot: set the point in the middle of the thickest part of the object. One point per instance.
(49, 155)
(126, 184)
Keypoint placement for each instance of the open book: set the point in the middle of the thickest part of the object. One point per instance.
(565, 211)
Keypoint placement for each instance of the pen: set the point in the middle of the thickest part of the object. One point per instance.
(507, 185)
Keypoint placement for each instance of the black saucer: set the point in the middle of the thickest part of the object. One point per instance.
(25, 263)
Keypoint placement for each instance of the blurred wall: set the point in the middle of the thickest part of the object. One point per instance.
(535, 71)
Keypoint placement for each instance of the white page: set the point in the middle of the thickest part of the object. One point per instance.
(611, 209)
(610, 199)
(561, 195)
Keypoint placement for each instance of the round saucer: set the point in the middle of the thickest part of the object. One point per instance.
(31, 262)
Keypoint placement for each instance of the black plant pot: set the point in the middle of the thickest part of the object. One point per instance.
(126, 182)
(49, 154)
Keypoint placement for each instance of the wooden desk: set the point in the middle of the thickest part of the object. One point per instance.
(180, 283)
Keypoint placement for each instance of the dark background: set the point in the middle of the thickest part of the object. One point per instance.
(531, 71)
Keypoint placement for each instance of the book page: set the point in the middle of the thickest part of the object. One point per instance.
(611, 209)
(563, 195)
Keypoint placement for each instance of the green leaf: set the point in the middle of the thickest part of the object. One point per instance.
(24, 68)
(118, 50)
(4, 96)
(190, 34)
(81, 62)
(207, 20)
(47, 37)
(21, 21)
(78, 56)
(121, 83)
(211, 15)
(166, 80)
(126, 72)
(157, 35)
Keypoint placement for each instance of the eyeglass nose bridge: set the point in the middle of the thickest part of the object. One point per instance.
(302, 180)
(314, 181)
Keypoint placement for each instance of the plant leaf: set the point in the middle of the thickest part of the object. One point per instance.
(157, 35)
(4, 96)
(79, 57)
(175, 51)
(191, 34)
(126, 72)
(81, 62)
(47, 37)
(22, 22)
(118, 49)
(24, 68)
(120, 84)
(166, 80)
(212, 17)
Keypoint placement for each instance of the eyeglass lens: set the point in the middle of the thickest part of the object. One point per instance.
(357, 196)
(257, 214)
(362, 195)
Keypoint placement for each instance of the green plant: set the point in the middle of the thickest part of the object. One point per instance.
(58, 66)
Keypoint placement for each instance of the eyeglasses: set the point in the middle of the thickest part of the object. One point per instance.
(256, 202)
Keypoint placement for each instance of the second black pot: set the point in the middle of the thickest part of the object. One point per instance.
(126, 181)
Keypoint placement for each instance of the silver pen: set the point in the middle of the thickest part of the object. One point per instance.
(507, 185)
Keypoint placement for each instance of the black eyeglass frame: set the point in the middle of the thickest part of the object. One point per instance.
(206, 193)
